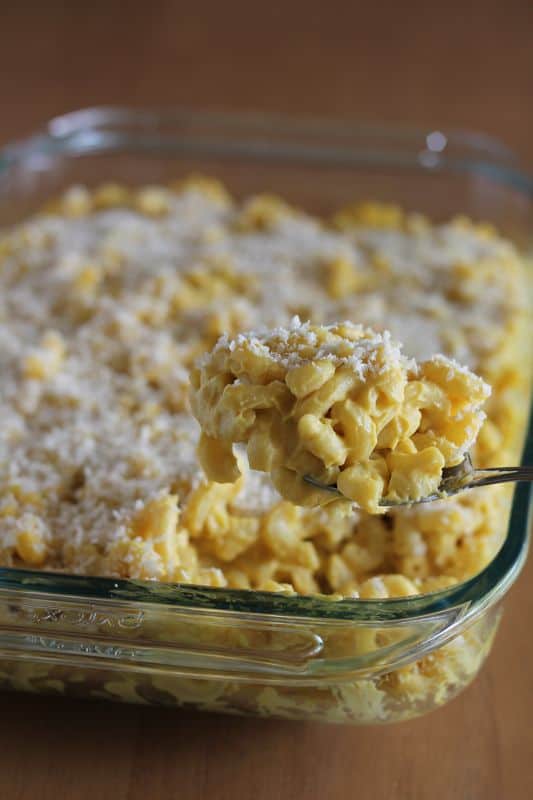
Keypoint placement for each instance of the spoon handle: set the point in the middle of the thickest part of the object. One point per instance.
(485, 477)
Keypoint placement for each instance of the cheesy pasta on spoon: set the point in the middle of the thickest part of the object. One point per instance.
(340, 404)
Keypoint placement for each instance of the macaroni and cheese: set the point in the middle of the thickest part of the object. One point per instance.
(340, 404)
(107, 299)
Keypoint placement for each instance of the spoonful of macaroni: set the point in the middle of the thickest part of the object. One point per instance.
(338, 413)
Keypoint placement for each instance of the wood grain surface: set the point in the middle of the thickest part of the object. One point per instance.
(467, 65)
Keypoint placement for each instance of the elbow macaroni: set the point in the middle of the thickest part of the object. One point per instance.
(109, 296)
(340, 404)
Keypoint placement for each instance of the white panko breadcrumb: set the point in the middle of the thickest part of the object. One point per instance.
(105, 304)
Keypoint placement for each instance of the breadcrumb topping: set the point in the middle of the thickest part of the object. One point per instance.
(109, 296)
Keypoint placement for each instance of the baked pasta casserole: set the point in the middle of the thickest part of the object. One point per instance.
(109, 297)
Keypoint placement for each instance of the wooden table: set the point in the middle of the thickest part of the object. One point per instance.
(421, 63)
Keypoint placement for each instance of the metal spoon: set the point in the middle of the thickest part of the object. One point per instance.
(454, 480)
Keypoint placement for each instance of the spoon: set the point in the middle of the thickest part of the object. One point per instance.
(454, 479)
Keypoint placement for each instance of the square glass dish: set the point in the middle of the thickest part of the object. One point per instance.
(351, 660)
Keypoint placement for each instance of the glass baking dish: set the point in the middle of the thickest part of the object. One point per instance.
(255, 652)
